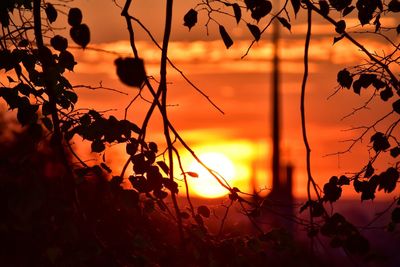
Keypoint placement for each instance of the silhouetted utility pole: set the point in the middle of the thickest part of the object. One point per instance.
(276, 106)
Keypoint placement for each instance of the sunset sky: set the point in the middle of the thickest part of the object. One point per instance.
(241, 88)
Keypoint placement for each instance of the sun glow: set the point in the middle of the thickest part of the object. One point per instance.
(206, 185)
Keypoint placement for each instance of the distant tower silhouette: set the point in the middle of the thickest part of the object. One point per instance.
(276, 106)
(280, 196)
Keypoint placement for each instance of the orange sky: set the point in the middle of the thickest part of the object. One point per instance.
(239, 87)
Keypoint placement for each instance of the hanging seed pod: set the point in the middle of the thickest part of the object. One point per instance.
(51, 12)
(80, 34)
(59, 43)
(131, 71)
(74, 16)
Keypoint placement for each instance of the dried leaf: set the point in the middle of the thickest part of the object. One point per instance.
(237, 11)
(225, 37)
(285, 23)
(255, 31)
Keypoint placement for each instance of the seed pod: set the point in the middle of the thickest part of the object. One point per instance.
(51, 13)
(190, 19)
(80, 34)
(59, 43)
(131, 71)
(66, 60)
(74, 16)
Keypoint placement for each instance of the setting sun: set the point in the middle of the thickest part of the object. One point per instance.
(206, 185)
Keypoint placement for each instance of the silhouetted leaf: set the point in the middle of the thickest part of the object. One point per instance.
(131, 71)
(285, 23)
(367, 193)
(398, 29)
(163, 166)
(332, 191)
(140, 165)
(369, 170)
(366, 10)
(59, 43)
(337, 39)
(170, 185)
(154, 178)
(374, 181)
(339, 4)
(71, 96)
(378, 84)
(343, 180)
(366, 79)
(396, 106)
(10, 96)
(388, 180)
(333, 180)
(344, 78)
(131, 149)
(80, 34)
(98, 146)
(357, 87)
(51, 13)
(48, 123)
(26, 111)
(225, 36)
(153, 147)
(340, 26)
(348, 10)
(237, 12)
(394, 152)
(394, 6)
(66, 60)
(150, 156)
(324, 7)
(386, 94)
(296, 6)
(380, 142)
(204, 211)
(358, 185)
(250, 4)
(260, 9)
(190, 18)
(255, 31)
(25, 89)
(74, 17)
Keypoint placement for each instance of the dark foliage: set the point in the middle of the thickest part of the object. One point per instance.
(56, 212)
